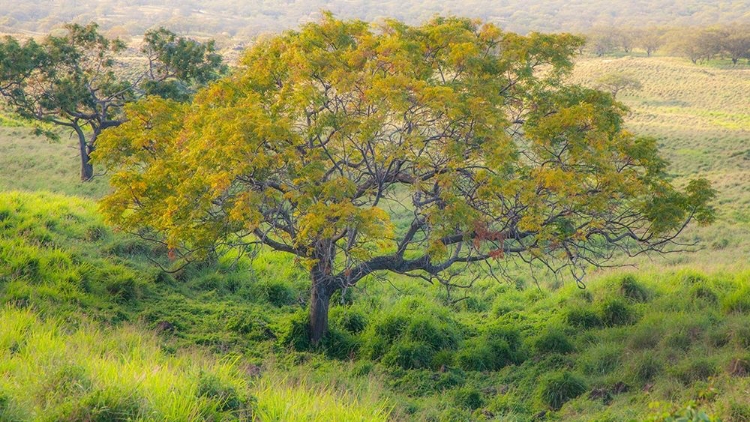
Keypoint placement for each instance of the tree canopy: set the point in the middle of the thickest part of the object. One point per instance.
(75, 80)
(420, 150)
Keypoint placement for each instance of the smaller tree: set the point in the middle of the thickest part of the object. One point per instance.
(616, 82)
(736, 42)
(74, 81)
(602, 41)
(649, 40)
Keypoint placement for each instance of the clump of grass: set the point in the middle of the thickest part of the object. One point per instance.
(738, 301)
(558, 388)
(553, 340)
(498, 346)
(410, 335)
(468, 398)
(583, 317)
(616, 312)
(633, 290)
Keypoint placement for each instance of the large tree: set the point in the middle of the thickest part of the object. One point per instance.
(75, 80)
(362, 148)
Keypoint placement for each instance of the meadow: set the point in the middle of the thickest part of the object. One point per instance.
(93, 329)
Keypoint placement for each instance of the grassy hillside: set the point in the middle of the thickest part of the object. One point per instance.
(501, 351)
(93, 329)
(700, 116)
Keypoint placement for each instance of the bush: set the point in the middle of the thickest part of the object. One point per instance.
(468, 398)
(559, 388)
(442, 359)
(615, 312)
(553, 341)
(583, 318)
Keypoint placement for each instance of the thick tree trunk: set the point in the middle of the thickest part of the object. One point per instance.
(320, 299)
(87, 170)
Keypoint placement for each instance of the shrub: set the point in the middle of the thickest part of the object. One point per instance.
(362, 368)
(468, 398)
(429, 331)
(615, 312)
(553, 341)
(110, 405)
(559, 388)
(583, 318)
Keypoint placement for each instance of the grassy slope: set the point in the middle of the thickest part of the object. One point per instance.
(668, 334)
(700, 116)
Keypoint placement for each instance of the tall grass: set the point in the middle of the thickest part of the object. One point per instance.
(54, 370)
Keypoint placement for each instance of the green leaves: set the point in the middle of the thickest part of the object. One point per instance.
(362, 148)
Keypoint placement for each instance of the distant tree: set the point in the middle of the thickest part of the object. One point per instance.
(650, 40)
(602, 41)
(626, 39)
(617, 82)
(735, 42)
(73, 81)
(422, 151)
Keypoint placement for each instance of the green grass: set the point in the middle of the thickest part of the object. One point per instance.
(91, 325)
(57, 370)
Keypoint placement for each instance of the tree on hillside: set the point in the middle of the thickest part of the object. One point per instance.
(74, 80)
(649, 40)
(602, 41)
(616, 82)
(424, 151)
(735, 42)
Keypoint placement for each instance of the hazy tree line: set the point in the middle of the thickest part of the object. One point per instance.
(234, 18)
(731, 41)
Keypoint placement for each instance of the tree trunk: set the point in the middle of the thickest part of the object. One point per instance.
(87, 170)
(320, 299)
